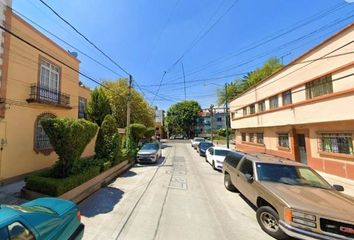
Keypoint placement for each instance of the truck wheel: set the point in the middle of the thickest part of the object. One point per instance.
(228, 184)
(268, 219)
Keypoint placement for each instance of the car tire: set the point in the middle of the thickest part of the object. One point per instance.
(200, 154)
(228, 184)
(206, 159)
(268, 219)
(213, 165)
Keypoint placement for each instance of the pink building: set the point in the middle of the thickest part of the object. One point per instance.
(305, 111)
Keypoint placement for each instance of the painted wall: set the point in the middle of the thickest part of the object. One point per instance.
(18, 127)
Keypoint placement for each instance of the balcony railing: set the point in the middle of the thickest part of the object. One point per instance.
(40, 94)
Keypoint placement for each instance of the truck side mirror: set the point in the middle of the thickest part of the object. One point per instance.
(249, 178)
(339, 188)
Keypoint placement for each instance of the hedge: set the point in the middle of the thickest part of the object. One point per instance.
(44, 183)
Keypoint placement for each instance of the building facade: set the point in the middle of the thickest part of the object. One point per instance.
(303, 112)
(208, 121)
(159, 124)
(34, 86)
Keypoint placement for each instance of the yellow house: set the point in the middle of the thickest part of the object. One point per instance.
(34, 86)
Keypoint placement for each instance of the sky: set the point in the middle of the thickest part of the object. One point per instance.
(217, 41)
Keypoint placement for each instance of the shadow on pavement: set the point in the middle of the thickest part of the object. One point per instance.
(128, 173)
(163, 146)
(101, 202)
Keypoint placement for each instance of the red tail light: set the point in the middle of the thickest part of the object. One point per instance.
(78, 215)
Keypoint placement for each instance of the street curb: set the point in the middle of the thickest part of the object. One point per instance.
(83, 191)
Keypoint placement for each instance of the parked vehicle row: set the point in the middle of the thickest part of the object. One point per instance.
(291, 198)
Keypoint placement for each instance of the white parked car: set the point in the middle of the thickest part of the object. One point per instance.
(195, 141)
(216, 156)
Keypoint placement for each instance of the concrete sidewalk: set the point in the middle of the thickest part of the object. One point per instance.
(346, 183)
(11, 193)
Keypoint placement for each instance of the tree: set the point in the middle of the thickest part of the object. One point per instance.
(99, 106)
(107, 142)
(141, 111)
(181, 117)
(238, 86)
(69, 137)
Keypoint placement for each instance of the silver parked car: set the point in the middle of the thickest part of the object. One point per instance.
(149, 153)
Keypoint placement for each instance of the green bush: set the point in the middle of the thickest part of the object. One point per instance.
(69, 137)
(99, 106)
(149, 132)
(137, 131)
(44, 183)
(107, 142)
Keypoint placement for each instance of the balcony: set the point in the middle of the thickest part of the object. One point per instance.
(43, 95)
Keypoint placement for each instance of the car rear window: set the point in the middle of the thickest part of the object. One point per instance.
(221, 152)
(233, 159)
(199, 140)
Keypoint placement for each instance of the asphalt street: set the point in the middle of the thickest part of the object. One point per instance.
(181, 197)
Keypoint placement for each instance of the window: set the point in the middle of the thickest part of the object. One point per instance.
(82, 107)
(273, 102)
(261, 106)
(244, 111)
(247, 167)
(233, 159)
(243, 136)
(49, 81)
(42, 140)
(219, 119)
(252, 109)
(19, 231)
(336, 143)
(251, 137)
(319, 87)
(287, 98)
(283, 140)
(260, 138)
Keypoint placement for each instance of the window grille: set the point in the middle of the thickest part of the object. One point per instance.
(336, 143)
(319, 87)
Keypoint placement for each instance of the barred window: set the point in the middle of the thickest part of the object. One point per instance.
(251, 137)
(252, 109)
(273, 102)
(283, 140)
(42, 140)
(260, 137)
(82, 107)
(287, 99)
(319, 87)
(336, 143)
(261, 106)
(243, 136)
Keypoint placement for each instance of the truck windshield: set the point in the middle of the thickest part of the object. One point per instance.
(292, 175)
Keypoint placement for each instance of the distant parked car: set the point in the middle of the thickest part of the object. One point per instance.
(149, 153)
(40, 219)
(216, 156)
(202, 147)
(291, 198)
(196, 141)
(179, 136)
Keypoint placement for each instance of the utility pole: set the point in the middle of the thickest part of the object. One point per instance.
(211, 110)
(227, 117)
(129, 100)
(184, 81)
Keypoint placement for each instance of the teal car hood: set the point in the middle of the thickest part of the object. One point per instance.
(60, 206)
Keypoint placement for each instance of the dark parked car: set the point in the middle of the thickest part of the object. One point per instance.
(202, 147)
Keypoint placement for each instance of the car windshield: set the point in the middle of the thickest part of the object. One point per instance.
(291, 175)
(205, 145)
(220, 152)
(199, 139)
(149, 146)
(31, 209)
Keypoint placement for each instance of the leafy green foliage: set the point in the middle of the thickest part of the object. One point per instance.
(149, 132)
(107, 142)
(44, 182)
(222, 132)
(137, 131)
(69, 137)
(181, 117)
(238, 86)
(99, 106)
(141, 111)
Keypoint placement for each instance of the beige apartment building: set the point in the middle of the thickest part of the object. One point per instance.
(305, 111)
(33, 86)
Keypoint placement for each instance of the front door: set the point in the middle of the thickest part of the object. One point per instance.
(302, 148)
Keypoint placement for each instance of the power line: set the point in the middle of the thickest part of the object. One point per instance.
(158, 89)
(82, 35)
